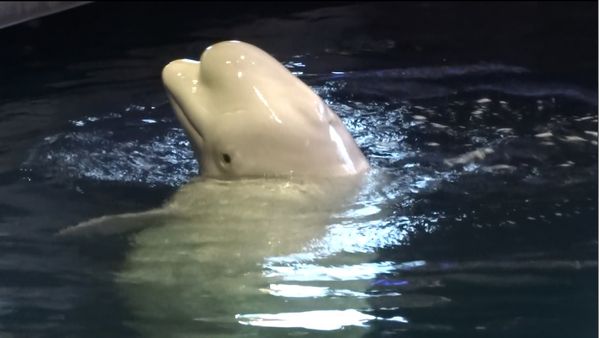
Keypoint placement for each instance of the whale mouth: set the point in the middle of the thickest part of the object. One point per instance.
(194, 133)
(176, 78)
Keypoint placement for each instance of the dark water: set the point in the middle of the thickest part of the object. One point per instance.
(482, 117)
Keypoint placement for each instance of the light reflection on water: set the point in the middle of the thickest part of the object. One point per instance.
(313, 272)
(313, 320)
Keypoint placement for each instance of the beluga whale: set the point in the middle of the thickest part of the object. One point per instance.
(248, 116)
(276, 166)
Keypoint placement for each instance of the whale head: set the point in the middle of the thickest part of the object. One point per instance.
(246, 115)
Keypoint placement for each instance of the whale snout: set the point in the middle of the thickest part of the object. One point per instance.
(179, 75)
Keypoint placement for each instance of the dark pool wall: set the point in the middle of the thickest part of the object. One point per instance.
(554, 38)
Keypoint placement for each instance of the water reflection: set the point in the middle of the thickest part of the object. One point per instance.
(293, 291)
(313, 320)
(312, 272)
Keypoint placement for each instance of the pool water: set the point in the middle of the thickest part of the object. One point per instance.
(479, 217)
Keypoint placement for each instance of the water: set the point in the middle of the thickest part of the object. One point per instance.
(479, 219)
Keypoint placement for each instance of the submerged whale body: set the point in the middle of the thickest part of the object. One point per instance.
(276, 165)
(211, 264)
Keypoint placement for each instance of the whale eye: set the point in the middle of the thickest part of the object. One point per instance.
(226, 158)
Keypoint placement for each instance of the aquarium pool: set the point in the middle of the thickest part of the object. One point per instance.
(479, 219)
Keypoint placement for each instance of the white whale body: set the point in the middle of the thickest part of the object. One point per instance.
(248, 116)
(277, 168)
(222, 256)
